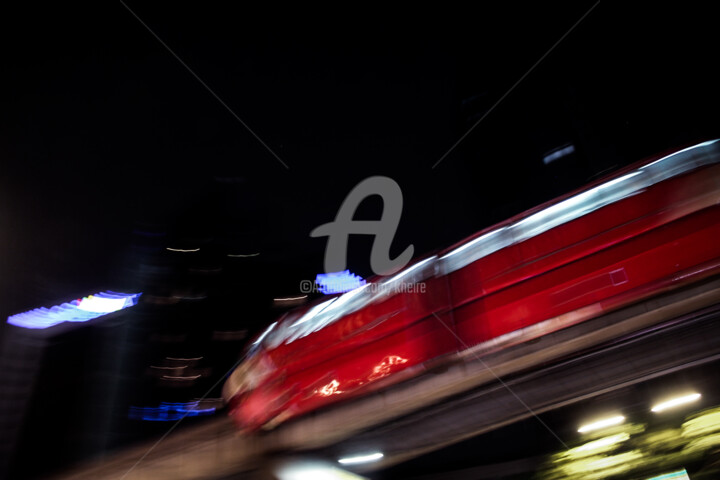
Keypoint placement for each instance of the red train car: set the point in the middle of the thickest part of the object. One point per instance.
(649, 228)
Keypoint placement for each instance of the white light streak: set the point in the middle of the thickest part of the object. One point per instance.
(289, 299)
(677, 401)
(373, 457)
(605, 422)
(604, 442)
(260, 338)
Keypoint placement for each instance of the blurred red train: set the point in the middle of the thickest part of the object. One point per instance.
(649, 228)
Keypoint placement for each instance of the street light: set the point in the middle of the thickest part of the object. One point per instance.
(372, 457)
(603, 423)
(674, 402)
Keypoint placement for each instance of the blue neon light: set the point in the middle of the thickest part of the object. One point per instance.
(338, 282)
(168, 412)
(80, 310)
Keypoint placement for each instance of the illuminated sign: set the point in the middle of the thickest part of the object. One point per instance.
(338, 282)
(80, 310)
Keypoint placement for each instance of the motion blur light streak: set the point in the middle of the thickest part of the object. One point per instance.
(684, 150)
(80, 310)
(680, 475)
(168, 412)
(603, 442)
(285, 302)
(639, 450)
(289, 299)
(404, 273)
(260, 338)
(183, 250)
(312, 312)
(239, 255)
(372, 457)
(704, 424)
(674, 402)
(605, 422)
(312, 470)
(558, 153)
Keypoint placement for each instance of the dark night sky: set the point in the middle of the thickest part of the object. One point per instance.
(103, 132)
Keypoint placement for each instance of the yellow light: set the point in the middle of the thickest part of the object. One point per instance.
(603, 442)
(674, 402)
(605, 422)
